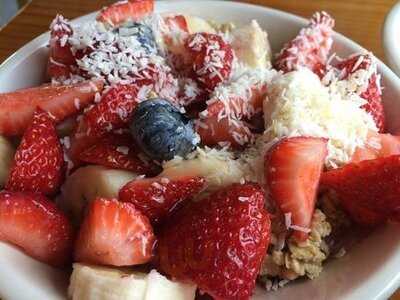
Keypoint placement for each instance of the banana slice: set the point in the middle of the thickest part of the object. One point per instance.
(218, 167)
(251, 45)
(90, 182)
(7, 152)
(101, 283)
(196, 24)
(159, 287)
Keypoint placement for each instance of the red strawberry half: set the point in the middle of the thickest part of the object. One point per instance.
(126, 10)
(37, 226)
(114, 233)
(39, 161)
(157, 197)
(292, 170)
(16, 108)
(368, 190)
(219, 242)
(372, 91)
(120, 152)
(310, 48)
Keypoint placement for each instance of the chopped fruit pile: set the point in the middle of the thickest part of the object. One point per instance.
(173, 144)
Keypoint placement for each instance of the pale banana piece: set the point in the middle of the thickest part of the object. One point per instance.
(251, 45)
(89, 182)
(216, 166)
(7, 152)
(102, 283)
(197, 24)
(159, 287)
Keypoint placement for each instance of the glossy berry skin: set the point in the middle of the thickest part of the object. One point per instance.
(219, 242)
(143, 34)
(162, 131)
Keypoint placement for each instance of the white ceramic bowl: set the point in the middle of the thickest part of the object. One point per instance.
(370, 270)
(391, 38)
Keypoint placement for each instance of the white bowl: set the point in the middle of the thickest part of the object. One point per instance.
(370, 270)
(391, 38)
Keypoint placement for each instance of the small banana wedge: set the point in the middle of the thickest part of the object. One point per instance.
(196, 24)
(90, 182)
(103, 283)
(7, 152)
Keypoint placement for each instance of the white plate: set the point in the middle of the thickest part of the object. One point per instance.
(391, 38)
(369, 271)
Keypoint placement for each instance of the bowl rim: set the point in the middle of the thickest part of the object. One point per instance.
(27, 50)
(391, 37)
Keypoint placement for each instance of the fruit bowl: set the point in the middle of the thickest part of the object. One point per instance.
(391, 29)
(368, 271)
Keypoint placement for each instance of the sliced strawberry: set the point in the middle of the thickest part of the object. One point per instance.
(36, 225)
(16, 108)
(176, 22)
(310, 48)
(219, 242)
(368, 190)
(157, 197)
(114, 111)
(114, 233)
(369, 86)
(61, 60)
(119, 152)
(292, 170)
(377, 145)
(126, 10)
(214, 131)
(212, 59)
(39, 161)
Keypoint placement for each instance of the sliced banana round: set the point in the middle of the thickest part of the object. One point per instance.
(103, 283)
(89, 182)
(7, 152)
(197, 24)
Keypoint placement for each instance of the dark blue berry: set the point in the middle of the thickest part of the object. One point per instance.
(162, 131)
(143, 33)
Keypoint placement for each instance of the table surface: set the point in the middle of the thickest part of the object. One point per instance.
(360, 20)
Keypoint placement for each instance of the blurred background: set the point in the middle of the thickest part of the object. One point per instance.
(9, 8)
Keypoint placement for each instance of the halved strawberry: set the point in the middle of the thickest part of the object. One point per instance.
(61, 60)
(292, 170)
(120, 152)
(125, 10)
(368, 190)
(38, 164)
(157, 197)
(218, 243)
(114, 233)
(214, 131)
(310, 48)
(377, 145)
(114, 111)
(62, 101)
(368, 84)
(37, 226)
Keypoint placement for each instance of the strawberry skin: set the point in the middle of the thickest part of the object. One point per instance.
(157, 197)
(119, 151)
(122, 11)
(310, 48)
(368, 190)
(62, 101)
(37, 226)
(114, 111)
(39, 161)
(292, 170)
(219, 242)
(114, 233)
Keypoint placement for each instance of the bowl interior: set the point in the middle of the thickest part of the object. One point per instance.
(390, 38)
(368, 271)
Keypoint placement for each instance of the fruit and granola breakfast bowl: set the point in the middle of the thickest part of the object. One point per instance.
(176, 155)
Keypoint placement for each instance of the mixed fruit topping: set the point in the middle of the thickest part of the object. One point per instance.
(183, 149)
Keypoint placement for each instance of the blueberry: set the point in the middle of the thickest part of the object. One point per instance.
(162, 131)
(143, 33)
